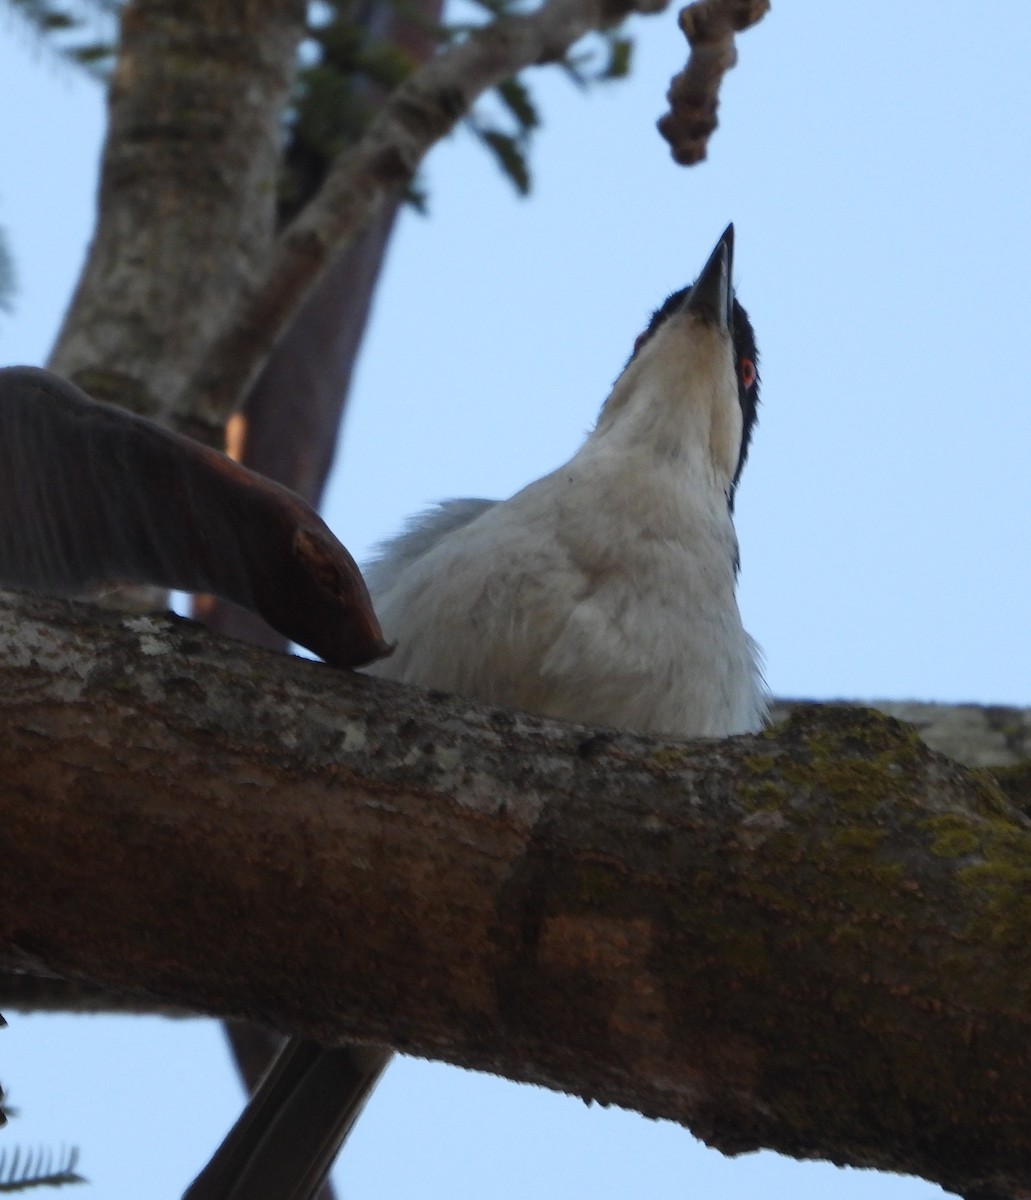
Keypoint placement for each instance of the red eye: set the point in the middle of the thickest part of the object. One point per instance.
(747, 371)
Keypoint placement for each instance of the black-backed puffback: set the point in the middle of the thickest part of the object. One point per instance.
(603, 594)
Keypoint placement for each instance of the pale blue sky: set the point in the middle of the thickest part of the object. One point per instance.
(875, 160)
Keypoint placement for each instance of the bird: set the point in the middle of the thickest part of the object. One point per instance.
(604, 594)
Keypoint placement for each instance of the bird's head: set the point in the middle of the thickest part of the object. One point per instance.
(692, 383)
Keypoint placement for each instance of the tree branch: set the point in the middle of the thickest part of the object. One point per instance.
(709, 26)
(995, 736)
(812, 940)
(977, 735)
(417, 114)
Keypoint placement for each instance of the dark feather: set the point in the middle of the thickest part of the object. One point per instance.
(92, 495)
(308, 1101)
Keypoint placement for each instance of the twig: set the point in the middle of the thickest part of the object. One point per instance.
(709, 26)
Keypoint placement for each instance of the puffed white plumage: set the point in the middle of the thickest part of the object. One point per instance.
(605, 592)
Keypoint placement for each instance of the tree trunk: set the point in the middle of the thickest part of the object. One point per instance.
(187, 198)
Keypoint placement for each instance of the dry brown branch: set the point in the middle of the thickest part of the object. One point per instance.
(709, 26)
(813, 940)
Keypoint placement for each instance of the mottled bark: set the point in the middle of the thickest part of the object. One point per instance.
(993, 736)
(186, 210)
(978, 735)
(813, 940)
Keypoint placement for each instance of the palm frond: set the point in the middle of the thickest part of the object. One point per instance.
(81, 31)
(40, 1168)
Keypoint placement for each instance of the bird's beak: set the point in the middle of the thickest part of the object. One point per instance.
(712, 296)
